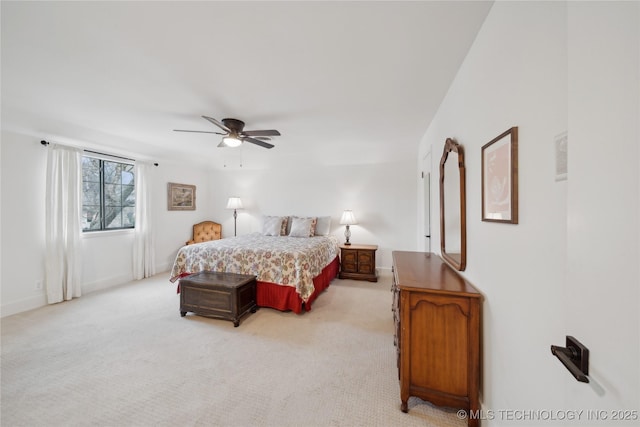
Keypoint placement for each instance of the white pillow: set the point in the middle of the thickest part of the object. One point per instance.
(272, 225)
(301, 227)
(313, 219)
(323, 226)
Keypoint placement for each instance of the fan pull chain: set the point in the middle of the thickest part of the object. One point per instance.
(226, 156)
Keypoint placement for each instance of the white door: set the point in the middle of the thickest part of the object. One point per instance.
(426, 183)
(602, 296)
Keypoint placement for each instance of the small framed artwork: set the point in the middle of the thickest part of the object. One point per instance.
(500, 178)
(181, 197)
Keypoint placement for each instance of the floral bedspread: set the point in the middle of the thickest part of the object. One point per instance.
(288, 261)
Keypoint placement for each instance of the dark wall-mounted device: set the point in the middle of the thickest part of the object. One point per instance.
(575, 357)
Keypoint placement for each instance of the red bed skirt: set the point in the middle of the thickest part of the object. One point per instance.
(286, 298)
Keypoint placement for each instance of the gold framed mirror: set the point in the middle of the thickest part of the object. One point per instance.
(453, 206)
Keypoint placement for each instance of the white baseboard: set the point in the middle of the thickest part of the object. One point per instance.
(25, 304)
(40, 300)
(106, 283)
(384, 271)
(167, 266)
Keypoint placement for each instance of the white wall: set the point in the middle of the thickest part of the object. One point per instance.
(381, 195)
(23, 246)
(517, 74)
(174, 228)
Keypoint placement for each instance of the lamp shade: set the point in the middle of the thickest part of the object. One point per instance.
(348, 218)
(234, 203)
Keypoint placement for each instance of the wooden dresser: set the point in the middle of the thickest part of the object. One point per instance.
(437, 318)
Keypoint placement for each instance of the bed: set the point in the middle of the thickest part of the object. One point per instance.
(291, 271)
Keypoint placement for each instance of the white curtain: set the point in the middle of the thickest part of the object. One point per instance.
(143, 246)
(62, 228)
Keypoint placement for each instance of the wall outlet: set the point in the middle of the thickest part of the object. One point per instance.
(38, 285)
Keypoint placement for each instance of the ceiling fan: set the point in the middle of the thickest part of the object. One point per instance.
(235, 135)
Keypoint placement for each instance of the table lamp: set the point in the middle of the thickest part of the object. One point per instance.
(348, 218)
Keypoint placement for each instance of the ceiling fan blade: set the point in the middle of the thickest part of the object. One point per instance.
(257, 142)
(198, 131)
(268, 132)
(217, 123)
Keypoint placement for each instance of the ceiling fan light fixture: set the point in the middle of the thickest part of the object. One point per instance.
(235, 134)
(231, 141)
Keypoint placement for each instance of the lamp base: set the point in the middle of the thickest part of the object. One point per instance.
(235, 222)
(347, 235)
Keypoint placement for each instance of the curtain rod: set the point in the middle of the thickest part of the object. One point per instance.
(45, 143)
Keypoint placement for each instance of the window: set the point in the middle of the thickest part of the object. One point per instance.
(108, 195)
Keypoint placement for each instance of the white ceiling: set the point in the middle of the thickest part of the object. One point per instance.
(344, 82)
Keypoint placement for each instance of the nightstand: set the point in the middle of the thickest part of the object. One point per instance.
(358, 262)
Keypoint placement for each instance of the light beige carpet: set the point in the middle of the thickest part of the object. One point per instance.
(125, 357)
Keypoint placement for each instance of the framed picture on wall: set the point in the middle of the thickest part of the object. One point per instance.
(181, 197)
(500, 178)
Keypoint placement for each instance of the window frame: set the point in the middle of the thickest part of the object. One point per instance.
(101, 158)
